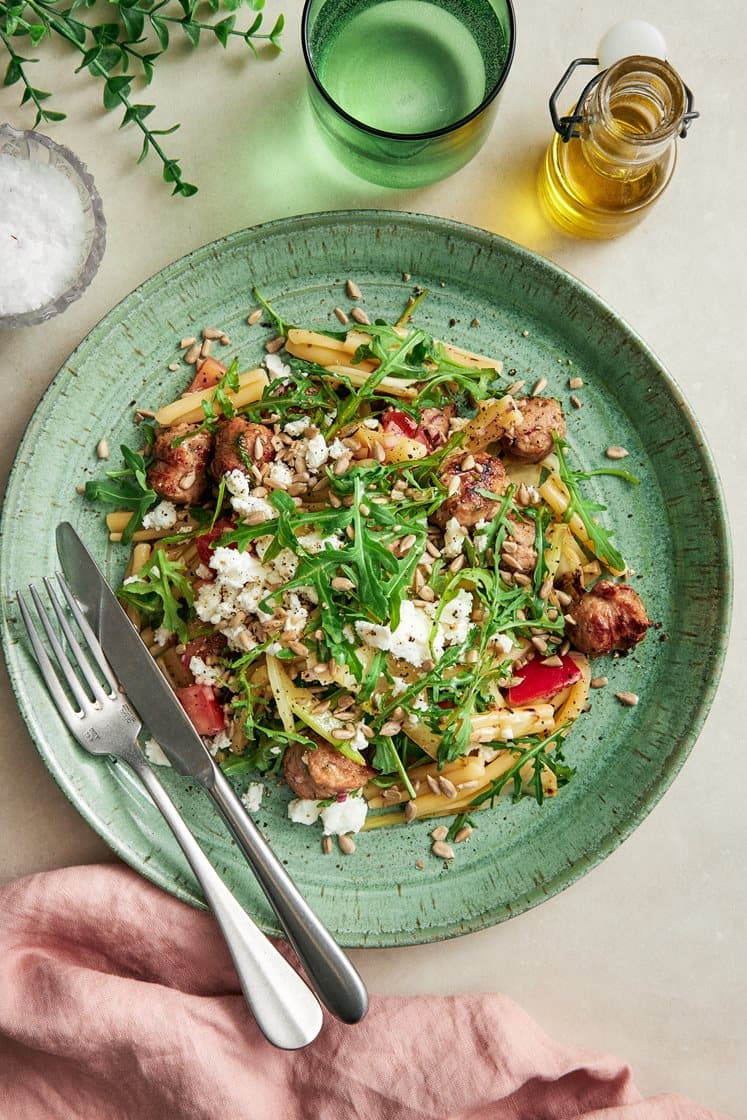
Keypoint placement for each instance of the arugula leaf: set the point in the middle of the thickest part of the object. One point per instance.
(126, 489)
(601, 538)
(160, 592)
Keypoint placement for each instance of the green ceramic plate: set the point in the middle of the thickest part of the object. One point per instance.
(489, 295)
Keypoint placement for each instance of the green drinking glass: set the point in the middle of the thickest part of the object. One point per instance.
(404, 91)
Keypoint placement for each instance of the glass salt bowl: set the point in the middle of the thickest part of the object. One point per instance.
(36, 148)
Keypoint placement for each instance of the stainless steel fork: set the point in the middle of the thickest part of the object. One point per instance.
(97, 714)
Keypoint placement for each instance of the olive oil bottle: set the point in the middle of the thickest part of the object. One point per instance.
(616, 153)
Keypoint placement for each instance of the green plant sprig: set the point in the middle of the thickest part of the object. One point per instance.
(107, 51)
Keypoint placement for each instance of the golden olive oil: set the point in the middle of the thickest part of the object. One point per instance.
(600, 183)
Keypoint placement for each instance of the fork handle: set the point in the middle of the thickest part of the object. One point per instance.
(333, 977)
(285, 1009)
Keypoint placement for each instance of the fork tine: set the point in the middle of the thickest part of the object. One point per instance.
(87, 631)
(83, 664)
(45, 665)
(62, 659)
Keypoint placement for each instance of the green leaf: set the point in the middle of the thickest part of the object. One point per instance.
(163, 592)
(133, 20)
(162, 31)
(116, 90)
(14, 72)
(105, 33)
(192, 31)
(223, 30)
(277, 30)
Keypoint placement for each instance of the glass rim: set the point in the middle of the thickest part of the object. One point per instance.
(672, 116)
(445, 130)
(89, 267)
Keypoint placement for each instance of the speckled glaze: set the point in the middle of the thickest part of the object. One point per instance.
(671, 529)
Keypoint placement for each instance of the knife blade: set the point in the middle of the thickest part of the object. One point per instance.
(331, 974)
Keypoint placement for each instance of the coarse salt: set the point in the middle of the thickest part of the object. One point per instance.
(42, 234)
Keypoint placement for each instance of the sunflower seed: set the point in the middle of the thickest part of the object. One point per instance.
(440, 832)
(447, 786)
(463, 834)
(352, 290)
(616, 453)
(442, 850)
(629, 699)
(346, 844)
(411, 811)
(360, 316)
(255, 316)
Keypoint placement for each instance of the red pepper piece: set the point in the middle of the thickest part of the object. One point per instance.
(208, 373)
(201, 705)
(206, 541)
(541, 682)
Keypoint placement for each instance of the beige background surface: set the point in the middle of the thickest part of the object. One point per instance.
(645, 956)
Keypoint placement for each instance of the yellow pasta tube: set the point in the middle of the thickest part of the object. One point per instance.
(188, 409)
(555, 494)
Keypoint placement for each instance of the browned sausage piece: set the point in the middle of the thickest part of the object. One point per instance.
(468, 505)
(179, 470)
(322, 772)
(610, 616)
(236, 446)
(518, 553)
(531, 439)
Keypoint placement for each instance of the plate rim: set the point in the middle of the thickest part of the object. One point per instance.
(613, 839)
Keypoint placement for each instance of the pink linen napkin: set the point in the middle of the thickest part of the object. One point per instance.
(118, 1001)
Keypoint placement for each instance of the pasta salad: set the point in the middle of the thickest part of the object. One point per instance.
(367, 566)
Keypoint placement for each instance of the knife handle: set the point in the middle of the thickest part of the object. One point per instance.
(332, 976)
(286, 1011)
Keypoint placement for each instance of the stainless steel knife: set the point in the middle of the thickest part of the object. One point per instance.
(330, 973)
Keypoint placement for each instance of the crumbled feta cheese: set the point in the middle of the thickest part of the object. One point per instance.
(162, 516)
(275, 366)
(284, 565)
(337, 449)
(317, 452)
(236, 569)
(251, 799)
(280, 474)
(296, 428)
(330, 417)
(456, 619)
(202, 672)
(410, 641)
(504, 643)
(301, 811)
(219, 742)
(202, 571)
(154, 753)
(399, 685)
(130, 579)
(481, 534)
(242, 500)
(371, 422)
(314, 542)
(297, 615)
(454, 536)
(162, 635)
(345, 816)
